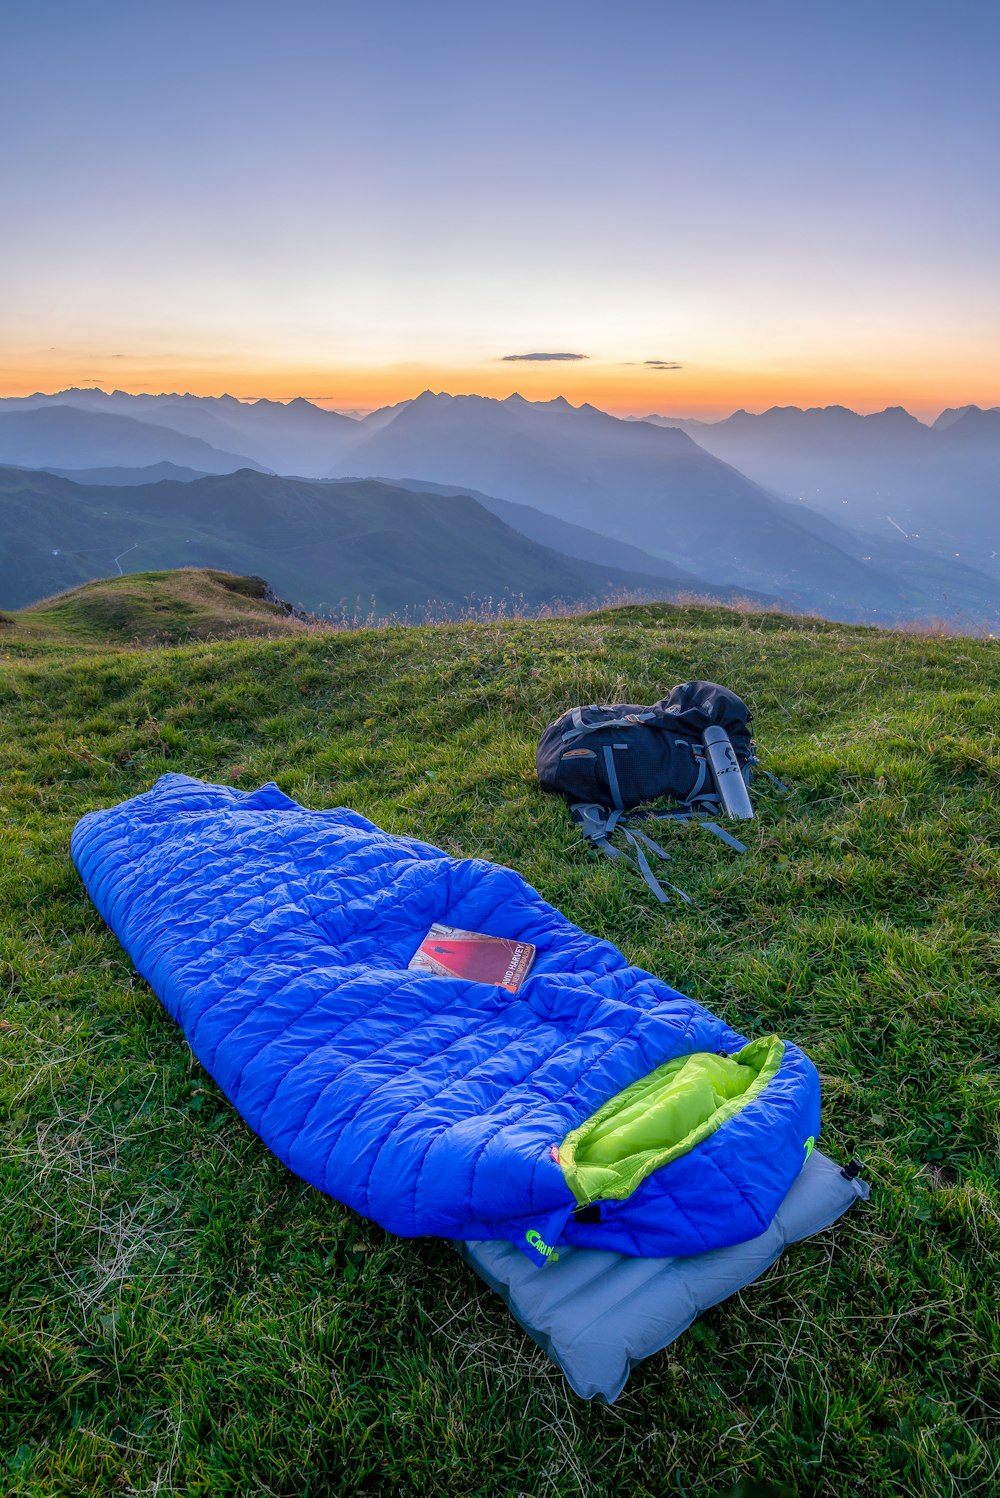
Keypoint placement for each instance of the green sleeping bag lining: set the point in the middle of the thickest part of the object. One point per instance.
(662, 1116)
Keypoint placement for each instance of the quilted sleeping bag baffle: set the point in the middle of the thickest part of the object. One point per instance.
(596, 1106)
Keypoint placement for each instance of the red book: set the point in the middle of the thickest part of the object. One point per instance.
(449, 952)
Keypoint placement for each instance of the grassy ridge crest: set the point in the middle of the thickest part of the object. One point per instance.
(171, 607)
(185, 1316)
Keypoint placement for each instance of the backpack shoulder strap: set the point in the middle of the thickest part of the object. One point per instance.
(596, 824)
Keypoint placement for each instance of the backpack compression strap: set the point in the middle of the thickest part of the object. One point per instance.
(597, 825)
(700, 816)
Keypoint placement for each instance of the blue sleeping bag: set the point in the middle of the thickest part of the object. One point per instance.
(595, 1107)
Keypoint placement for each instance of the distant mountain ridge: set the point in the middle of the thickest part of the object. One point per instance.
(883, 473)
(658, 489)
(328, 546)
(297, 437)
(68, 436)
(151, 473)
(646, 485)
(572, 540)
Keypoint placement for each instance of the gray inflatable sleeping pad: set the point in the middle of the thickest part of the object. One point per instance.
(598, 1314)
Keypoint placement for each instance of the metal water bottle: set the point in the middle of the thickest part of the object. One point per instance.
(726, 773)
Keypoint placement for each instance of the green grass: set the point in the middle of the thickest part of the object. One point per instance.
(184, 1317)
(150, 608)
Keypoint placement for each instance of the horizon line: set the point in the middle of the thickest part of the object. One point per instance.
(358, 410)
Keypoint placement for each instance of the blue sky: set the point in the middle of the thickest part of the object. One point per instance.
(352, 201)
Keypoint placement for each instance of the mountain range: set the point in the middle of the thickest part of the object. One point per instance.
(67, 436)
(349, 547)
(296, 438)
(886, 474)
(657, 499)
(658, 489)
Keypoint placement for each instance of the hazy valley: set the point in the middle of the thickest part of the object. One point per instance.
(444, 500)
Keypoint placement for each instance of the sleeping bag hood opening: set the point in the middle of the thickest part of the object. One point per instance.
(661, 1117)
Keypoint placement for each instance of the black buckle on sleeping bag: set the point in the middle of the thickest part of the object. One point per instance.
(588, 1214)
(852, 1170)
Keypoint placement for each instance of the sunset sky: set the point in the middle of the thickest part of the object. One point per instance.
(710, 206)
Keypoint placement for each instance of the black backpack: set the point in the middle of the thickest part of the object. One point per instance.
(606, 760)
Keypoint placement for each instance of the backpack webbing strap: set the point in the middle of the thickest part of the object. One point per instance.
(642, 864)
(648, 841)
(772, 778)
(727, 837)
(580, 728)
(697, 791)
(596, 827)
(612, 773)
(699, 815)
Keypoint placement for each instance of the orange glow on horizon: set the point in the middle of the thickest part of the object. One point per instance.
(622, 389)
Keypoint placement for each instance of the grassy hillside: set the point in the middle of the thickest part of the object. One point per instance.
(153, 608)
(184, 1316)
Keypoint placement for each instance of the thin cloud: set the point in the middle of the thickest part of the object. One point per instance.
(651, 364)
(146, 358)
(539, 358)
